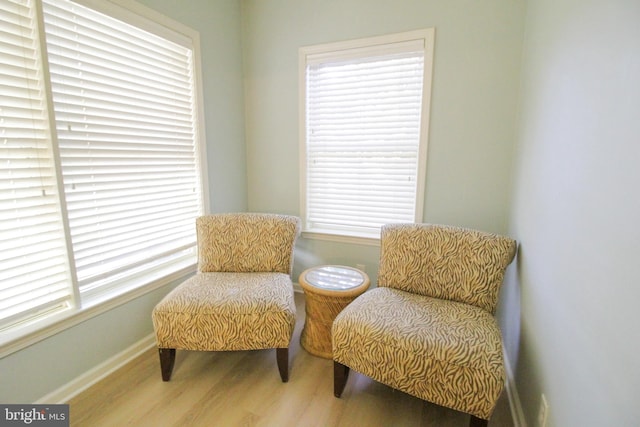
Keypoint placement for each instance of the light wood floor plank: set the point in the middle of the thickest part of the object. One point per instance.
(244, 389)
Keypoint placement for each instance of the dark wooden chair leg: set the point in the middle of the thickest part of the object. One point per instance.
(167, 359)
(340, 376)
(478, 422)
(282, 355)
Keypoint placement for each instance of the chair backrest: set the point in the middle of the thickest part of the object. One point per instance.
(246, 242)
(445, 262)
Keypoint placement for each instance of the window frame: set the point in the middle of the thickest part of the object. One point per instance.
(17, 337)
(426, 36)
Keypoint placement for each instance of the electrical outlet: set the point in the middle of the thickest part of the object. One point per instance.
(543, 412)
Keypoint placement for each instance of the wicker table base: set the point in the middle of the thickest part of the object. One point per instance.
(328, 290)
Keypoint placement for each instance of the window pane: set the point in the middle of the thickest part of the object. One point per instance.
(363, 138)
(35, 278)
(124, 112)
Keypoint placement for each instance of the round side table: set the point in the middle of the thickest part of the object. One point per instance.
(328, 289)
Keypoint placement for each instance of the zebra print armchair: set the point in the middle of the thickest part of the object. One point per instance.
(428, 329)
(242, 296)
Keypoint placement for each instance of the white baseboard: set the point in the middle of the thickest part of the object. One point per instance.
(89, 378)
(514, 399)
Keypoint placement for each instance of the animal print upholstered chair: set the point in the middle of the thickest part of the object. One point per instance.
(242, 296)
(428, 329)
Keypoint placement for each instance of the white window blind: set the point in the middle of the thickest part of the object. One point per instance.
(33, 259)
(124, 112)
(363, 136)
(100, 182)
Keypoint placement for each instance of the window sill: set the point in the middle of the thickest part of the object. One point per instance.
(22, 337)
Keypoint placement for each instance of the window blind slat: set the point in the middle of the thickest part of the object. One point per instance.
(75, 115)
(107, 31)
(98, 56)
(105, 95)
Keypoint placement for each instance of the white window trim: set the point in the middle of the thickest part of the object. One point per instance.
(20, 337)
(428, 38)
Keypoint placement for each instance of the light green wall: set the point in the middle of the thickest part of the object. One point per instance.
(36, 371)
(576, 210)
(475, 86)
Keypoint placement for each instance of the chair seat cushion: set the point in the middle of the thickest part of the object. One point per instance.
(227, 311)
(446, 352)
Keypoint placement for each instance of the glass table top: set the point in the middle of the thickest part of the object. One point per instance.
(335, 278)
